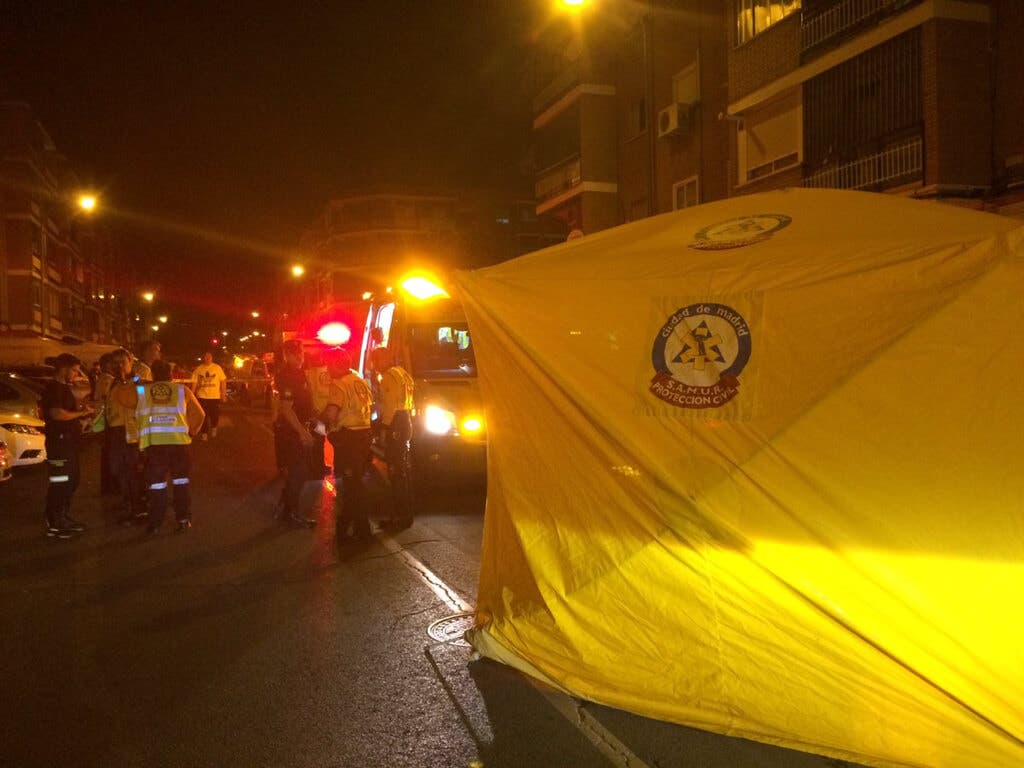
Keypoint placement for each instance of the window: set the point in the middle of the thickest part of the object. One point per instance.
(686, 85)
(686, 193)
(771, 139)
(37, 294)
(755, 16)
(636, 119)
(441, 350)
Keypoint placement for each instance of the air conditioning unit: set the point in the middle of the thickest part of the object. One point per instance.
(674, 120)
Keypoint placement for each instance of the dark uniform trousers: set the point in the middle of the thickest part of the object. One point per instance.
(124, 467)
(294, 458)
(397, 455)
(351, 455)
(63, 476)
(161, 461)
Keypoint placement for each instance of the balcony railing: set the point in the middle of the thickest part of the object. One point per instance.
(900, 163)
(558, 179)
(840, 18)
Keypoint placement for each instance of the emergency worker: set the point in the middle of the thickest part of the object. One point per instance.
(104, 381)
(318, 376)
(292, 439)
(348, 430)
(61, 412)
(149, 353)
(167, 415)
(123, 438)
(395, 408)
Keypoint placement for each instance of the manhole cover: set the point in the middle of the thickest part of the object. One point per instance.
(450, 629)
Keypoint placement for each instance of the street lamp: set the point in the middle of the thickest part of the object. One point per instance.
(298, 270)
(148, 296)
(155, 328)
(162, 318)
(87, 202)
(255, 315)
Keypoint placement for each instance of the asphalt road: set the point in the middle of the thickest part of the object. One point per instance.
(246, 642)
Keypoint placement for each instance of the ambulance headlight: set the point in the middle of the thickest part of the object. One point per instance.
(438, 421)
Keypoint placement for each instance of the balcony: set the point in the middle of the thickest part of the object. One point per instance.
(834, 21)
(557, 179)
(563, 82)
(900, 163)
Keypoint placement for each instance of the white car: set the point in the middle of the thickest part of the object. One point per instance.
(24, 436)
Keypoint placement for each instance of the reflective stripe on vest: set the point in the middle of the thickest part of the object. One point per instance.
(162, 424)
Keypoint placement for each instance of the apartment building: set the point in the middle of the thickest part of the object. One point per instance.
(60, 274)
(916, 97)
(626, 123)
(650, 107)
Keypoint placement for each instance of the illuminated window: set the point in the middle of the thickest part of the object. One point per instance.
(755, 16)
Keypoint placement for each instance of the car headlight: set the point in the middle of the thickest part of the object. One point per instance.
(438, 421)
(21, 429)
(472, 424)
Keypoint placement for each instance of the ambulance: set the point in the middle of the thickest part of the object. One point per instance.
(422, 323)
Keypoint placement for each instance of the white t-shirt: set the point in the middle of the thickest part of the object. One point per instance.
(206, 381)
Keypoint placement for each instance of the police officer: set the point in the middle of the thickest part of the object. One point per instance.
(394, 407)
(61, 412)
(348, 425)
(167, 414)
(292, 438)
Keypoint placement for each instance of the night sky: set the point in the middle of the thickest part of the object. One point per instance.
(241, 120)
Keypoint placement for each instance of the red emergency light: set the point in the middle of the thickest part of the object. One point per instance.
(334, 334)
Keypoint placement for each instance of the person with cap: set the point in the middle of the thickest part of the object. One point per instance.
(394, 408)
(167, 415)
(62, 413)
(293, 441)
(348, 419)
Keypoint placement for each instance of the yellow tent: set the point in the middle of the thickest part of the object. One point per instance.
(756, 467)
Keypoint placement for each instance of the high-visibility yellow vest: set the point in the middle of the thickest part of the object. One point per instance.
(396, 393)
(161, 414)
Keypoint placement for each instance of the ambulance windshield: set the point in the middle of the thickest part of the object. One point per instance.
(441, 351)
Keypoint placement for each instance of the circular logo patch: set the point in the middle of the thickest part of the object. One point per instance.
(741, 231)
(161, 393)
(698, 356)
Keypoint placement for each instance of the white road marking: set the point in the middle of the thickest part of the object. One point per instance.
(606, 742)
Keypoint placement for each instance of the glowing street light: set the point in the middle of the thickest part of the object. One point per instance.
(155, 327)
(255, 315)
(148, 296)
(298, 270)
(573, 4)
(223, 333)
(162, 318)
(87, 202)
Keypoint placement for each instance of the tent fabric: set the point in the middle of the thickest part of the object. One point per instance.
(755, 467)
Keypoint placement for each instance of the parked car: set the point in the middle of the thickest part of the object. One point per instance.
(23, 434)
(19, 394)
(6, 462)
(249, 381)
